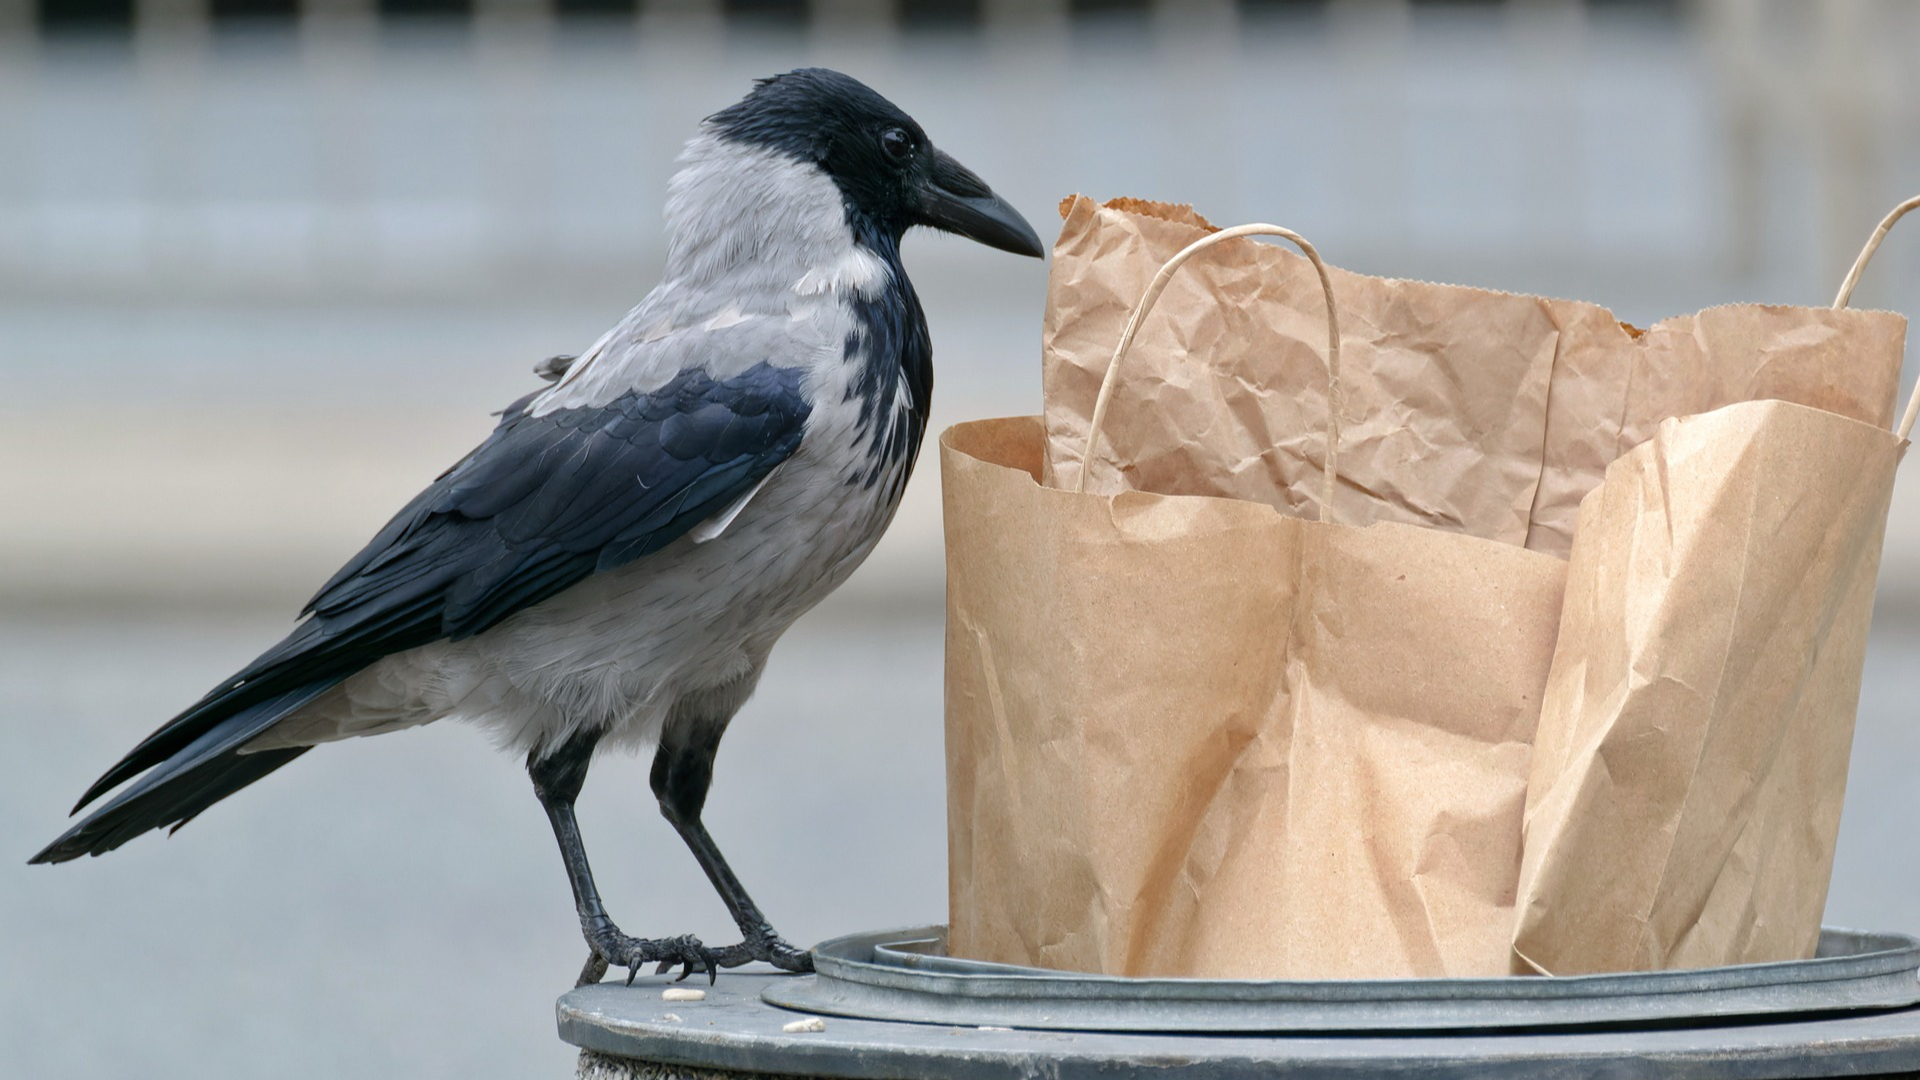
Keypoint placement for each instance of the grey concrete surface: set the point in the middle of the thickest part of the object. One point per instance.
(395, 907)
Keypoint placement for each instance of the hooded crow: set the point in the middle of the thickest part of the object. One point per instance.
(614, 563)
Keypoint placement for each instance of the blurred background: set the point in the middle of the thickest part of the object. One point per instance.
(267, 265)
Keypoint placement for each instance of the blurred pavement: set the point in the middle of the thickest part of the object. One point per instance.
(394, 907)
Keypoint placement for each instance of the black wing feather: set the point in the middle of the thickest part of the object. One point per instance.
(544, 502)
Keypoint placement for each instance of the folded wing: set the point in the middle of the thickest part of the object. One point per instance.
(547, 500)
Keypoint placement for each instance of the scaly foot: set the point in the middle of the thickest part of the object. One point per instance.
(764, 945)
(615, 949)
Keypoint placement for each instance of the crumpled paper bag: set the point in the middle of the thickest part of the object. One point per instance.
(1196, 736)
(1692, 749)
(1487, 413)
(1199, 737)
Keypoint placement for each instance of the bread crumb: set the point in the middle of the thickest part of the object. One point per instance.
(810, 1024)
(681, 993)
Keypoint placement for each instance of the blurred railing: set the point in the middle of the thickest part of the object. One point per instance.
(344, 147)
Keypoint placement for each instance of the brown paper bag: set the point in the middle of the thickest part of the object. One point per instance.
(1467, 410)
(1194, 736)
(1693, 748)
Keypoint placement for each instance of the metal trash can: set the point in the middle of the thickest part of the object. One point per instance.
(892, 1004)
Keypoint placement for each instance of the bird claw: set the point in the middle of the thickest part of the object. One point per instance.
(707, 960)
(788, 958)
(686, 952)
(615, 949)
(768, 947)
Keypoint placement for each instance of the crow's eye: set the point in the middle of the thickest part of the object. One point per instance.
(897, 144)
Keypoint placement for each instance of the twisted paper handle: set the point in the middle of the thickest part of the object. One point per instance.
(1853, 278)
(1159, 285)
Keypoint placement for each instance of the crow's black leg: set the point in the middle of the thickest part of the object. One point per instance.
(557, 779)
(682, 773)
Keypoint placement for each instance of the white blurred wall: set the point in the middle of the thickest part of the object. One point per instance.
(258, 284)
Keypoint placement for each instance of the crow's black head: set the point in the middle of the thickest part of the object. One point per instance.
(889, 172)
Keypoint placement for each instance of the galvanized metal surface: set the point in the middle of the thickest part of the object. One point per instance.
(597, 1066)
(904, 975)
(734, 1030)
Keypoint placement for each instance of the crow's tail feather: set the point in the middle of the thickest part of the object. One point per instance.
(205, 771)
(173, 804)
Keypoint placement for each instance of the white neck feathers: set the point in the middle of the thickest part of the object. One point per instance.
(736, 211)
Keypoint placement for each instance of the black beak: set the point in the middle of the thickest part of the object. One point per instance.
(954, 200)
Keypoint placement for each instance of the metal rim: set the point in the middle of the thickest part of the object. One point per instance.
(904, 975)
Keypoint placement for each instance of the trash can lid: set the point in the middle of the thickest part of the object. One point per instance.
(733, 1029)
(905, 975)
